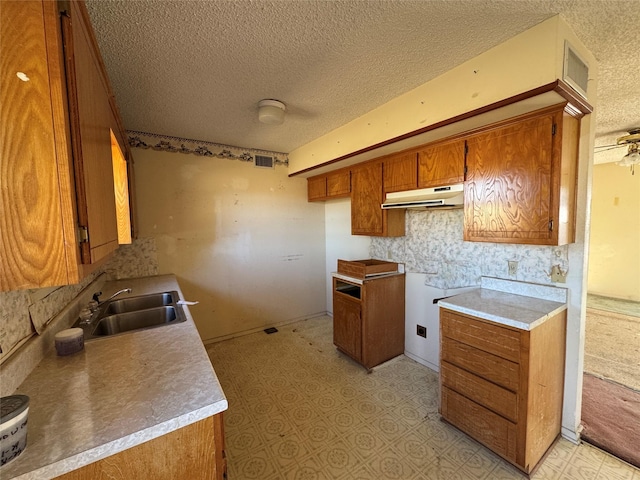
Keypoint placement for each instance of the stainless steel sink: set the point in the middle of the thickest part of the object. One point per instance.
(142, 302)
(125, 322)
(124, 315)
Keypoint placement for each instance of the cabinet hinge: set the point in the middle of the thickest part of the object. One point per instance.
(83, 234)
(551, 225)
(554, 127)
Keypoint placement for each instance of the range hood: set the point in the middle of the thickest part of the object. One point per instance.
(426, 198)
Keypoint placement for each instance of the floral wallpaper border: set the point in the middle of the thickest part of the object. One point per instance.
(202, 148)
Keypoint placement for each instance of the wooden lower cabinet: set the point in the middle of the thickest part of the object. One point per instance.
(194, 452)
(368, 318)
(503, 386)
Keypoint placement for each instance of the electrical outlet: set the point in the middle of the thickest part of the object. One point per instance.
(421, 331)
(513, 267)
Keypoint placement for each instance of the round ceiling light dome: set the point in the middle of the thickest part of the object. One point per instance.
(271, 111)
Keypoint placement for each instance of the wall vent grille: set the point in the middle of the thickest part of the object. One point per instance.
(576, 71)
(264, 161)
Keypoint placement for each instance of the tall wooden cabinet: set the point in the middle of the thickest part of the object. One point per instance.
(521, 180)
(367, 216)
(368, 318)
(57, 203)
(503, 386)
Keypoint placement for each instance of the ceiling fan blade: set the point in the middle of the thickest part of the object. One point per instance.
(606, 148)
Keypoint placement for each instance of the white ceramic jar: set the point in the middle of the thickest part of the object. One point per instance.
(14, 411)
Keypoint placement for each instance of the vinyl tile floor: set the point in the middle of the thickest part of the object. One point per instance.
(298, 409)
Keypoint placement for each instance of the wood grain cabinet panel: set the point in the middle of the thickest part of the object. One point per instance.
(368, 319)
(509, 401)
(317, 188)
(34, 180)
(347, 325)
(441, 164)
(327, 186)
(521, 178)
(339, 184)
(400, 172)
(90, 119)
(195, 452)
(56, 168)
(367, 216)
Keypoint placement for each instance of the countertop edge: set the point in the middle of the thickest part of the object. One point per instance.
(116, 446)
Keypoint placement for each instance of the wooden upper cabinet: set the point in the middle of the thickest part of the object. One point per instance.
(317, 188)
(400, 172)
(90, 118)
(331, 185)
(441, 164)
(339, 184)
(367, 216)
(38, 245)
(56, 170)
(521, 181)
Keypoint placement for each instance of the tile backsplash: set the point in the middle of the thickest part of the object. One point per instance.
(433, 245)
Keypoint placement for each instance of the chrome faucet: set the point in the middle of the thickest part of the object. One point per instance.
(96, 296)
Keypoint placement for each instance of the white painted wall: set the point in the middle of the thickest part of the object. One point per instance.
(339, 241)
(242, 240)
(614, 263)
(527, 61)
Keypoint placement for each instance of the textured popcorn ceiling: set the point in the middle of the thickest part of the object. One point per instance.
(196, 69)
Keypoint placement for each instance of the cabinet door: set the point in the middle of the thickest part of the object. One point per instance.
(90, 118)
(37, 217)
(366, 199)
(317, 188)
(367, 216)
(441, 164)
(347, 325)
(509, 183)
(400, 172)
(194, 452)
(339, 184)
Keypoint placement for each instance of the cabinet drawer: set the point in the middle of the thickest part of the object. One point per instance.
(495, 369)
(490, 395)
(488, 428)
(486, 336)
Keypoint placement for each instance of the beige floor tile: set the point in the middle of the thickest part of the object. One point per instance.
(258, 465)
(390, 464)
(298, 409)
(365, 442)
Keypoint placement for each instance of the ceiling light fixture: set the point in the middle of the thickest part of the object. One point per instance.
(632, 157)
(271, 111)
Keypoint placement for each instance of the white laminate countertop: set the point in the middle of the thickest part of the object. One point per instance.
(519, 311)
(117, 393)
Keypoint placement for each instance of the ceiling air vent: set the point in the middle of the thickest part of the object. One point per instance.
(576, 71)
(263, 161)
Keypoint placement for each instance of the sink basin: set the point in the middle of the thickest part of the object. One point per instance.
(125, 322)
(141, 302)
(118, 316)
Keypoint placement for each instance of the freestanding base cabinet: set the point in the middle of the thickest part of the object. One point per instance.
(503, 386)
(368, 317)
